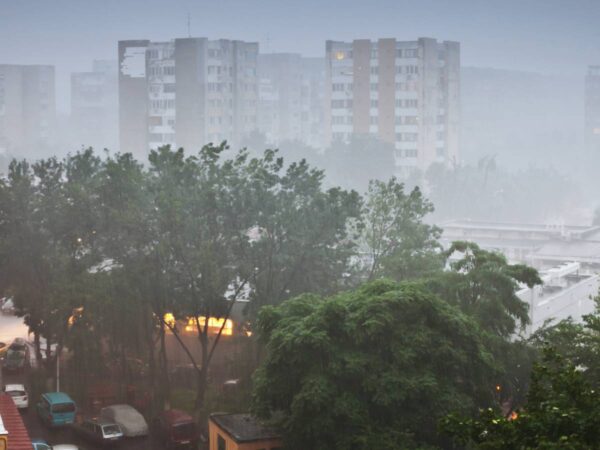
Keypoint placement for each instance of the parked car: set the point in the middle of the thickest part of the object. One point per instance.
(40, 444)
(131, 422)
(56, 409)
(19, 345)
(176, 429)
(8, 307)
(16, 361)
(99, 431)
(18, 394)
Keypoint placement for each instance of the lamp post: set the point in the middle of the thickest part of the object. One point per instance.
(57, 370)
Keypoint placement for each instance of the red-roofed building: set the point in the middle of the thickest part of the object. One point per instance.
(12, 427)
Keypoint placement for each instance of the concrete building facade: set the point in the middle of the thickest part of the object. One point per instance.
(405, 93)
(291, 98)
(592, 109)
(186, 93)
(94, 106)
(27, 109)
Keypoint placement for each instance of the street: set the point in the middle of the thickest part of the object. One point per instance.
(64, 435)
(12, 327)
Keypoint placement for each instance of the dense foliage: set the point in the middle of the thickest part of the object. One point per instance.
(372, 368)
(562, 412)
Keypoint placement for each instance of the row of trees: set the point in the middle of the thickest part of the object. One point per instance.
(99, 248)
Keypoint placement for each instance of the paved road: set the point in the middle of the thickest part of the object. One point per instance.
(65, 436)
(12, 327)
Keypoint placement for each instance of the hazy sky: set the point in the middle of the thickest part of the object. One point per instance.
(558, 37)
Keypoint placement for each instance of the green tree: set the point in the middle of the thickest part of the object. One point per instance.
(484, 285)
(399, 243)
(577, 342)
(562, 412)
(373, 368)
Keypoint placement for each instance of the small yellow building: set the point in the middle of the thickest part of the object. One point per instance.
(241, 432)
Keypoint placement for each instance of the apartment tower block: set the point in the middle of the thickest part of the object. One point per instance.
(186, 93)
(405, 93)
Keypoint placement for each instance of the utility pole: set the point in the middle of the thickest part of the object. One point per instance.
(57, 369)
(189, 25)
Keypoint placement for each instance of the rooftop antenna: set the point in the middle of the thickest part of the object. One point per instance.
(189, 28)
(268, 44)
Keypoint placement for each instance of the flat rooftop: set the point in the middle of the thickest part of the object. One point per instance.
(244, 427)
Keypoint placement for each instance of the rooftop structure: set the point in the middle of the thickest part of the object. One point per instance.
(565, 292)
(241, 432)
(11, 425)
(540, 245)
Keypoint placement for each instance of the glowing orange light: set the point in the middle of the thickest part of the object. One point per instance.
(169, 319)
(214, 325)
(498, 388)
(513, 416)
(77, 313)
(339, 56)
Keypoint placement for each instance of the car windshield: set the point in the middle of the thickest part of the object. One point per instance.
(14, 356)
(183, 430)
(111, 429)
(17, 347)
(63, 408)
(16, 393)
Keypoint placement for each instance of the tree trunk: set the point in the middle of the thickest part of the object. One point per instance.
(37, 346)
(203, 373)
(165, 387)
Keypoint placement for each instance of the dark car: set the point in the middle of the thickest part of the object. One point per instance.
(176, 429)
(16, 361)
(99, 431)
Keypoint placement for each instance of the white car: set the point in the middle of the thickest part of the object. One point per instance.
(18, 394)
(131, 422)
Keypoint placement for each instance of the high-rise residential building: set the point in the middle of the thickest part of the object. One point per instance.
(291, 98)
(592, 109)
(405, 93)
(27, 109)
(186, 93)
(95, 106)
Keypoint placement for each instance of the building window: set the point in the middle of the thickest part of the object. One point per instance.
(374, 70)
(374, 103)
(373, 86)
(221, 444)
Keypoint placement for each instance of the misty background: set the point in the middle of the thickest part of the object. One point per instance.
(523, 65)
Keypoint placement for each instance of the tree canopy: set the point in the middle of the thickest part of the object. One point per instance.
(371, 368)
